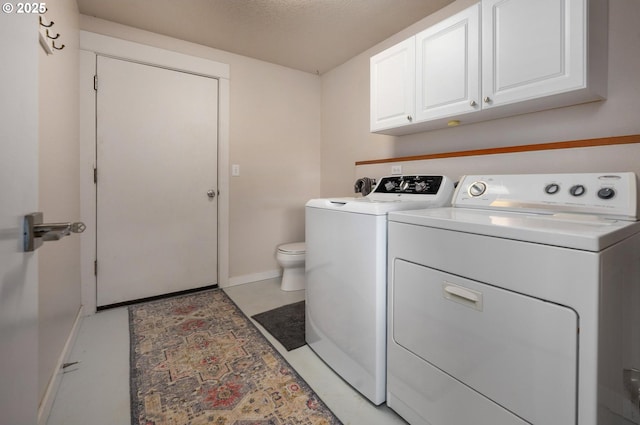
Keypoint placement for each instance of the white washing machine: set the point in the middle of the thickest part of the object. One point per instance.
(346, 275)
(519, 304)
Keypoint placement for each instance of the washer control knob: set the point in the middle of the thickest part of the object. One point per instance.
(389, 186)
(404, 185)
(552, 188)
(606, 193)
(477, 188)
(577, 190)
(421, 186)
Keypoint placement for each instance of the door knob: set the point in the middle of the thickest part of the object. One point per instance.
(211, 193)
(36, 232)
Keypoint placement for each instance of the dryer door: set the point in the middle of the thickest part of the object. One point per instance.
(517, 351)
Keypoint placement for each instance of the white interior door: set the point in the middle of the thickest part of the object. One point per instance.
(156, 158)
(18, 196)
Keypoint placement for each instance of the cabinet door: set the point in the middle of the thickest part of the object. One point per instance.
(448, 67)
(393, 86)
(531, 49)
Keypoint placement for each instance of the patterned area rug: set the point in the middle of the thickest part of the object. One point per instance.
(197, 359)
(285, 323)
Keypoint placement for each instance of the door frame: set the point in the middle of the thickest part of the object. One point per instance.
(92, 45)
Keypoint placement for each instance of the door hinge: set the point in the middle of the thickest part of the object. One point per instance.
(95, 82)
(95, 175)
(95, 268)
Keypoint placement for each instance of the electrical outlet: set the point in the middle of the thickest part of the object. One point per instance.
(396, 169)
(235, 170)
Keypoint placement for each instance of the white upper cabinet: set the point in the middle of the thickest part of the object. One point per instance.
(393, 86)
(532, 49)
(448, 67)
(495, 59)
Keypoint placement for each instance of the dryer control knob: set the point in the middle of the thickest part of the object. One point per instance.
(552, 188)
(577, 190)
(606, 193)
(477, 188)
(421, 186)
(404, 185)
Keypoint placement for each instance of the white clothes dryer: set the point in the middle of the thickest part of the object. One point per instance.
(346, 275)
(519, 304)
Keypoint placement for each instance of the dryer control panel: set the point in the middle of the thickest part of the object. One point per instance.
(417, 185)
(605, 195)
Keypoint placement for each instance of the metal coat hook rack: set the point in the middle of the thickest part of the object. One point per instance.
(47, 40)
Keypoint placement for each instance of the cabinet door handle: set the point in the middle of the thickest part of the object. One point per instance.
(487, 99)
(409, 118)
(472, 103)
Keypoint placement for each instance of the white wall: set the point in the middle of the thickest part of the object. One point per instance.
(59, 200)
(274, 135)
(345, 109)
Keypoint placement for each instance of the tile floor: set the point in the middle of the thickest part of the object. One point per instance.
(96, 390)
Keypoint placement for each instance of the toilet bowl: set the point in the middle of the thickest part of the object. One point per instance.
(291, 257)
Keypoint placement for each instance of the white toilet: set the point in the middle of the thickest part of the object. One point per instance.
(291, 257)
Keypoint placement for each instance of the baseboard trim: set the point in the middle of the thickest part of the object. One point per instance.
(254, 277)
(54, 383)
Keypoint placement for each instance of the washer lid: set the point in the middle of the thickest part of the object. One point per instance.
(293, 248)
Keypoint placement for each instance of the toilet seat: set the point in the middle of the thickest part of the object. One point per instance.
(293, 248)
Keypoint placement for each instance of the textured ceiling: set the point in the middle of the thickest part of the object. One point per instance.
(309, 35)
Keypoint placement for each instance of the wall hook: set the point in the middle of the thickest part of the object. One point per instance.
(53, 43)
(44, 25)
(49, 35)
